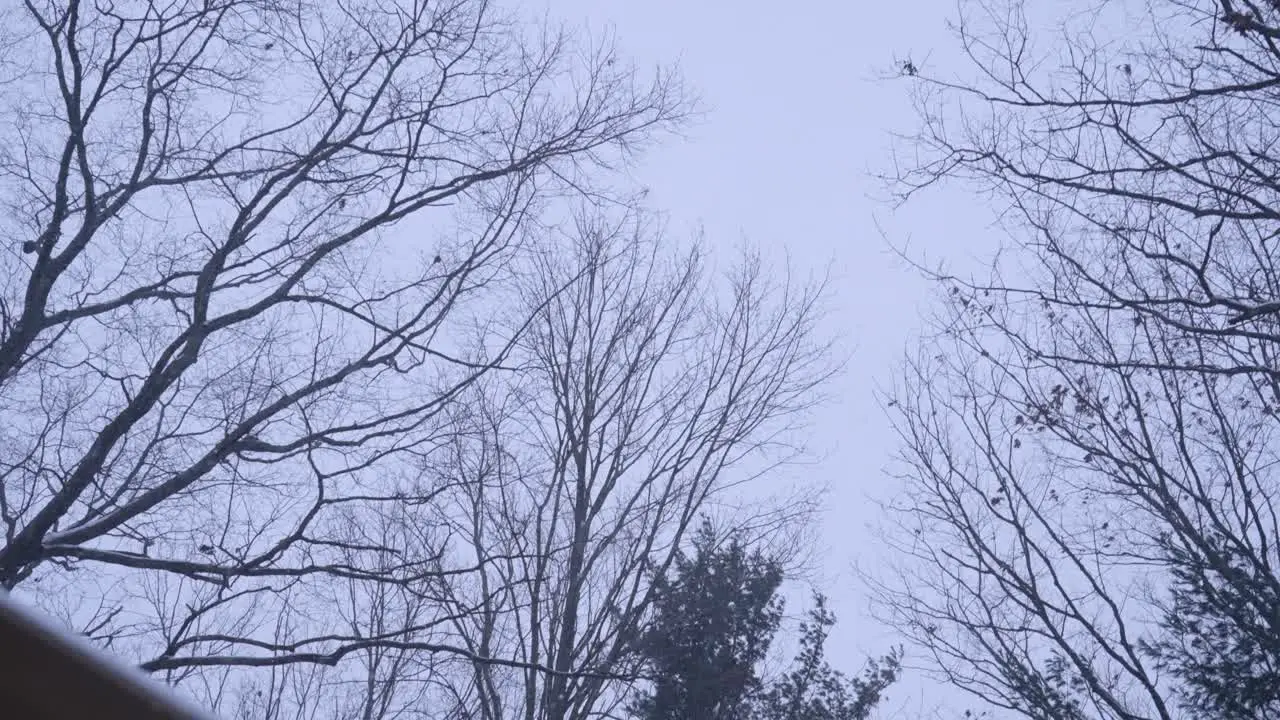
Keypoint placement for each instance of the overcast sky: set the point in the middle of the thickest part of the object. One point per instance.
(800, 116)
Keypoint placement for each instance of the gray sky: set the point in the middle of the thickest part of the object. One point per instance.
(799, 117)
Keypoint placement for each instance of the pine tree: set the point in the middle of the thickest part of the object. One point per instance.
(813, 690)
(714, 619)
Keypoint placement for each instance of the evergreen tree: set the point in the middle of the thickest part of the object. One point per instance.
(813, 690)
(714, 619)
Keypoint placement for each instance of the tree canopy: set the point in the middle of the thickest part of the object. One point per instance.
(714, 621)
(1088, 433)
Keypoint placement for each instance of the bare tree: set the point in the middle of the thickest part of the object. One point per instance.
(645, 393)
(1091, 522)
(241, 235)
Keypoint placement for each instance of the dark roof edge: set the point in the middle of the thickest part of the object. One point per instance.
(55, 674)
